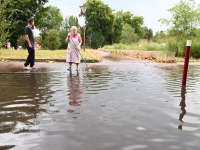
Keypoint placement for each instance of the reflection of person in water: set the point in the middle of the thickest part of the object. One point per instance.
(33, 94)
(75, 90)
(183, 105)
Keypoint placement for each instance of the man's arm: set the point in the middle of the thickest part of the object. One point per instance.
(27, 39)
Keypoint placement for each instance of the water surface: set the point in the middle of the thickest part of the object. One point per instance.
(116, 107)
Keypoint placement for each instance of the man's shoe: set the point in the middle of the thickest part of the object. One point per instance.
(26, 68)
(34, 67)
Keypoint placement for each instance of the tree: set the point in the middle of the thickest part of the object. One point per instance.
(20, 41)
(135, 22)
(68, 22)
(97, 40)
(159, 36)
(128, 35)
(52, 20)
(185, 19)
(100, 19)
(5, 21)
(52, 40)
(149, 35)
(22, 11)
(118, 25)
(146, 32)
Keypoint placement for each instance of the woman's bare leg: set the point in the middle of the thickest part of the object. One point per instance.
(70, 66)
(77, 67)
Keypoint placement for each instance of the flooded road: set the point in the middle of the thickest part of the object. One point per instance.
(125, 106)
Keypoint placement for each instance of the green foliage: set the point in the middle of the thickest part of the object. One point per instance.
(149, 34)
(159, 37)
(135, 22)
(195, 49)
(179, 46)
(128, 35)
(38, 39)
(185, 19)
(62, 36)
(141, 45)
(68, 22)
(119, 46)
(5, 21)
(52, 20)
(98, 40)
(20, 41)
(52, 40)
(21, 11)
(118, 25)
(99, 19)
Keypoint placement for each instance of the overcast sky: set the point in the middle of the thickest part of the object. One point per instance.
(151, 10)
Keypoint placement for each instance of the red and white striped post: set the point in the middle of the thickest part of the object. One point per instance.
(186, 63)
(84, 29)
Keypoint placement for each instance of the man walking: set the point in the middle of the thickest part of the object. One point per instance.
(29, 43)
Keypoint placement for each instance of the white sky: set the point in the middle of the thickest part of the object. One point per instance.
(151, 10)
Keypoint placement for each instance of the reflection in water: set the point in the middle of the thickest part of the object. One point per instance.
(75, 90)
(183, 105)
(20, 102)
(126, 109)
(33, 92)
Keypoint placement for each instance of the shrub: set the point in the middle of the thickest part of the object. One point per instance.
(128, 35)
(21, 42)
(195, 49)
(52, 39)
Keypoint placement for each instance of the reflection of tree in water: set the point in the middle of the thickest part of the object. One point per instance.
(20, 101)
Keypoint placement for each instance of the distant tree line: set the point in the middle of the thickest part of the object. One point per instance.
(104, 25)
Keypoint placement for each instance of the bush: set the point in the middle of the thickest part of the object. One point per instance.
(176, 46)
(98, 40)
(195, 49)
(52, 39)
(128, 35)
(179, 46)
(21, 42)
(119, 46)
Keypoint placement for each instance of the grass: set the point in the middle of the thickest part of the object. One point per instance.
(142, 45)
(88, 55)
(170, 44)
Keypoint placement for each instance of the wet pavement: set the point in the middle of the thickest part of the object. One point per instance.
(121, 105)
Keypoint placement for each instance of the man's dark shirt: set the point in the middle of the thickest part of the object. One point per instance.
(29, 32)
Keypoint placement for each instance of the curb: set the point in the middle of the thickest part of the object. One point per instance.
(46, 60)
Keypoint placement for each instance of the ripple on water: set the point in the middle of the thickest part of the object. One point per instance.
(118, 107)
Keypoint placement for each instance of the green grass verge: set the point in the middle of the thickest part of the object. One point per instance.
(138, 46)
(88, 55)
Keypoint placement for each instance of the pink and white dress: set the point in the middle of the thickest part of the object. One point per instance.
(73, 55)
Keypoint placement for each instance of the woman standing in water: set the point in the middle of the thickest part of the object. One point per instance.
(73, 55)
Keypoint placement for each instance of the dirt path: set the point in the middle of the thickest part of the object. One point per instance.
(109, 58)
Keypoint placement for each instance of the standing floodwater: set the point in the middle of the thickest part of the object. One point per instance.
(116, 107)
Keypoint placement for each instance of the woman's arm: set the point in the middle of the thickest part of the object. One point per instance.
(68, 38)
(79, 40)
